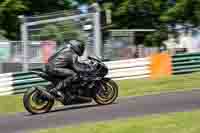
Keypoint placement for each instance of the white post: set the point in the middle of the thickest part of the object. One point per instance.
(97, 32)
(24, 38)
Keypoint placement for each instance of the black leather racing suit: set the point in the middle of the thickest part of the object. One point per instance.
(65, 64)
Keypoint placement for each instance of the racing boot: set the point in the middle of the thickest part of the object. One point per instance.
(56, 91)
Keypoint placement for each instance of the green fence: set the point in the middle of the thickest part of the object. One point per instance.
(16, 83)
(186, 63)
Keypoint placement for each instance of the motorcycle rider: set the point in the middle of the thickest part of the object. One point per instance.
(65, 64)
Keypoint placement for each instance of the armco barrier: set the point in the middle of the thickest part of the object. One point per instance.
(186, 63)
(154, 67)
(17, 83)
(129, 69)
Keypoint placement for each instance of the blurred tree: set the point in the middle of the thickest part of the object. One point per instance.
(9, 10)
(156, 14)
(156, 38)
(138, 13)
(125, 13)
(59, 32)
(184, 11)
(46, 6)
(2, 35)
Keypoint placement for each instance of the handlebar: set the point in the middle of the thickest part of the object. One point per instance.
(100, 67)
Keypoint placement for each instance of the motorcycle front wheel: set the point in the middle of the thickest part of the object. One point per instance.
(36, 103)
(107, 93)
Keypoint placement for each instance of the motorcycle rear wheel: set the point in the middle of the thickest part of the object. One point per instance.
(35, 104)
(108, 92)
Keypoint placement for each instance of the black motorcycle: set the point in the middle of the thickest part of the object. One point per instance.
(91, 86)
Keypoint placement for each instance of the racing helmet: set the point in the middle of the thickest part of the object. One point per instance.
(78, 46)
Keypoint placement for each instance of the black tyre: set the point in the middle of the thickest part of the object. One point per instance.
(35, 103)
(107, 93)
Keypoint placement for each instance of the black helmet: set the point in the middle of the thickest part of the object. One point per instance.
(78, 46)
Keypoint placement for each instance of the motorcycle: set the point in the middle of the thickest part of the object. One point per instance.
(91, 86)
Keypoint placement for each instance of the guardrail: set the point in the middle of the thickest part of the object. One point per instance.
(152, 67)
(186, 63)
(129, 69)
(19, 82)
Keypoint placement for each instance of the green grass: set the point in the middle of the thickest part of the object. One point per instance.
(11, 104)
(167, 84)
(186, 122)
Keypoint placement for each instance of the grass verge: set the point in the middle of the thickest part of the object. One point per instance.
(167, 84)
(10, 104)
(186, 122)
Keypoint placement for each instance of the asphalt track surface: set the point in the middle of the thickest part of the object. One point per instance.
(123, 108)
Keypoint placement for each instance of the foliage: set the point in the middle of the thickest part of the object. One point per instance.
(46, 6)
(152, 13)
(60, 32)
(9, 10)
(156, 38)
(184, 11)
(130, 14)
(155, 14)
(2, 35)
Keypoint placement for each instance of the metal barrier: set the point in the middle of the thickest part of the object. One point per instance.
(129, 69)
(19, 82)
(186, 63)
